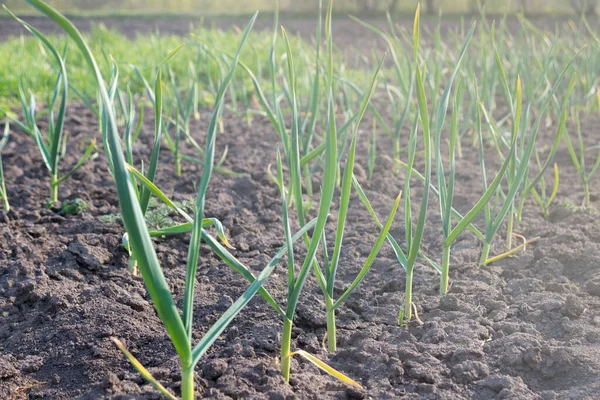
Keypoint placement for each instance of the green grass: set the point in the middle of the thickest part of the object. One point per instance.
(145, 52)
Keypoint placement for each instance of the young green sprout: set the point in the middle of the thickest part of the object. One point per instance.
(400, 97)
(132, 131)
(542, 198)
(325, 275)
(52, 144)
(143, 193)
(578, 157)
(327, 272)
(184, 110)
(516, 174)
(327, 279)
(414, 234)
(179, 328)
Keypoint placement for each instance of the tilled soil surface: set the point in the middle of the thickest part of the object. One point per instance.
(526, 327)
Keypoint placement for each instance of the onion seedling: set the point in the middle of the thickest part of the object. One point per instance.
(326, 275)
(296, 281)
(518, 171)
(504, 201)
(542, 199)
(132, 131)
(296, 163)
(184, 110)
(519, 166)
(414, 234)
(578, 158)
(144, 193)
(178, 328)
(327, 280)
(446, 186)
(51, 144)
(405, 78)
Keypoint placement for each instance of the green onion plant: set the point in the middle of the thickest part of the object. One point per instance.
(186, 104)
(578, 157)
(402, 95)
(325, 274)
(516, 176)
(331, 264)
(52, 144)
(178, 327)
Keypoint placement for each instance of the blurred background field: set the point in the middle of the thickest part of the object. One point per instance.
(142, 31)
(235, 7)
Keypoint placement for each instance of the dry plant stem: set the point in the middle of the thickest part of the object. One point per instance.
(419, 321)
(512, 251)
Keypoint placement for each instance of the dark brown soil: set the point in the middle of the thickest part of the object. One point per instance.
(524, 328)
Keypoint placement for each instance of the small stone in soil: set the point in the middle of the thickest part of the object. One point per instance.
(593, 287)
(573, 307)
(214, 369)
(7, 369)
(89, 257)
(112, 382)
(31, 363)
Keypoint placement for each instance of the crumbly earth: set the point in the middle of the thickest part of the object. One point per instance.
(526, 327)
